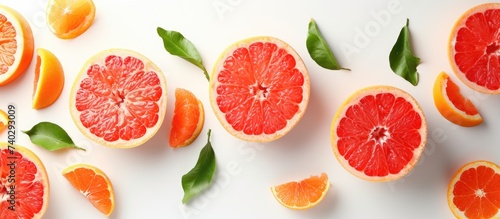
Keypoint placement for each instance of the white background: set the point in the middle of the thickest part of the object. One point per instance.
(147, 179)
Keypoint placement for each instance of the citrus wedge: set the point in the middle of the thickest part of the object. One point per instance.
(49, 79)
(474, 191)
(4, 120)
(303, 194)
(68, 19)
(17, 45)
(93, 184)
(188, 119)
(24, 183)
(452, 105)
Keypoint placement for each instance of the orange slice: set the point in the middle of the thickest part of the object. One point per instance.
(49, 79)
(452, 105)
(303, 194)
(188, 120)
(4, 120)
(93, 184)
(474, 191)
(68, 19)
(17, 45)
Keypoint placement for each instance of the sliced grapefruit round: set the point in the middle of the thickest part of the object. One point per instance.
(68, 19)
(303, 194)
(474, 48)
(379, 133)
(474, 191)
(452, 105)
(49, 79)
(259, 89)
(119, 98)
(188, 119)
(91, 182)
(17, 45)
(24, 183)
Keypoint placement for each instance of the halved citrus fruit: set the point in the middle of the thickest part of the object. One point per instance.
(188, 119)
(17, 45)
(452, 105)
(68, 19)
(474, 191)
(49, 79)
(379, 133)
(93, 184)
(259, 89)
(24, 183)
(303, 194)
(474, 48)
(119, 98)
(4, 120)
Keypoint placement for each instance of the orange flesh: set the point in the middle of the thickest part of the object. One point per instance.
(378, 134)
(260, 89)
(459, 101)
(37, 73)
(8, 44)
(477, 49)
(186, 118)
(477, 193)
(302, 193)
(29, 191)
(94, 187)
(67, 16)
(119, 100)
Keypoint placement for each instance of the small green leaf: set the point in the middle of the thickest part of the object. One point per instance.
(402, 60)
(318, 48)
(199, 178)
(176, 44)
(50, 136)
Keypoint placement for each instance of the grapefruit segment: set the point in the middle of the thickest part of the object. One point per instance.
(188, 119)
(91, 182)
(452, 105)
(259, 89)
(24, 171)
(303, 194)
(68, 19)
(17, 45)
(474, 48)
(49, 79)
(379, 133)
(474, 191)
(4, 120)
(119, 98)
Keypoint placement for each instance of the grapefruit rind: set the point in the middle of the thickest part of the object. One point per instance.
(447, 109)
(353, 99)
(452, 41)
(100, 173)
(25, 45)
(50, 81)
(99, 58)
(199, 126)
(456, 178)
(41, 176)
(214, 84)
(305, 207)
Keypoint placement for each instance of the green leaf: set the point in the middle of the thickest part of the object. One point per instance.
(50, 136)
(402, 60)
(199, 178)
(176, 44)
(318, 48)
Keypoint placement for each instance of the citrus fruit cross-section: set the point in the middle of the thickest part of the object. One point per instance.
(379, 133)
(259, 89)
(303, 194)
(24, 183)
(188, 119)
(119, 98)
(474, 48)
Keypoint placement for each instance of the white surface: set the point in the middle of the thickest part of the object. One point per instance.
(147, 179)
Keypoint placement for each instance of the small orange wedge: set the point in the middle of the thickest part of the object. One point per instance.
(303, 194)
(452, 105)
(93, 184)
(188, 119)
(68, 19)
(49, 79)
(4, 120)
